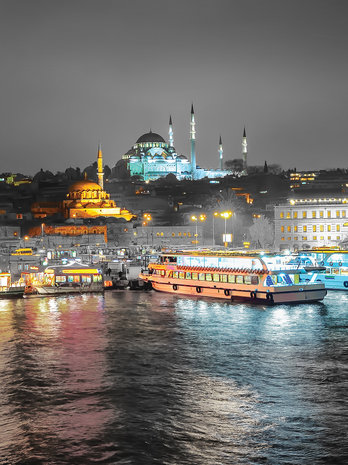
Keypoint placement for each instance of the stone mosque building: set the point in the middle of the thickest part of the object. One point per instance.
(85, 199)
(151, 157)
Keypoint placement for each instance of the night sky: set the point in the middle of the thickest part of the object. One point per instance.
(76, 72)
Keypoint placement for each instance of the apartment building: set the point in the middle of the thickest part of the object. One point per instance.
(311, 222)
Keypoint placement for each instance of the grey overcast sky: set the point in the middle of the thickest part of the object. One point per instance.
(74, 72)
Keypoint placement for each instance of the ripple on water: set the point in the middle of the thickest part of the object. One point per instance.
(146, 378)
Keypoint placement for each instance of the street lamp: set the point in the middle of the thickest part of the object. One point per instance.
(195, 219)
(215, 214)
(147, 218)
(226, 215)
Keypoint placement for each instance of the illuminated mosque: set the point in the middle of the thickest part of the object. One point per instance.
(85, 199)
(152, 157)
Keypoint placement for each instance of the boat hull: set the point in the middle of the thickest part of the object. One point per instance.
(12, 293)
(307, 293)
(42, 291)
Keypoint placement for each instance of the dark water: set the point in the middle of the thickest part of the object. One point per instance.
(149, 378)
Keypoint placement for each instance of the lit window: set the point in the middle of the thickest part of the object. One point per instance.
(289, 228)
(343, 213)
(304, 228)
(329, 238)
(296, 238)
(304, 238)
(288, 215)
(314, 228)
(329, 214)
(321, 238)
(304, 214)
(282, 238)
(321, 228)
(321, 214)
(295, 228)
(338, 237)
(329, 227)
(282, 229)
(338, 227)
(281, 214)
(314, 214)
(337, 213)
(289, 238)
(314, 238)
(295, 214)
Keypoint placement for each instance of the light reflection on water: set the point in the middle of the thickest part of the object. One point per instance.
(146, 378)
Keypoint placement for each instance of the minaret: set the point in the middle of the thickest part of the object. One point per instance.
(171, 134)
(100, 167)
(221, 154)
(193, 142)
(244, 151)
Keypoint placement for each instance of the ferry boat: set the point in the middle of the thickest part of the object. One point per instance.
(232, 275)
(9, 289)
(328, 265)
(74, 278)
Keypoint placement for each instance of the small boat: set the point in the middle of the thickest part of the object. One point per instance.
(326, 265)
(232, 275)
(75, 278)
(9, 289)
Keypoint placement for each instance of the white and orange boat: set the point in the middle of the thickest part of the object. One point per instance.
(232, 275)
(73, 278)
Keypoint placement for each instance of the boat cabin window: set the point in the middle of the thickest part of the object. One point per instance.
(194, 275)
(208, 277)
(224, 278)
(168, 259)
(231, 278)
(182, 274)
(73, 278)
(97, 278)
(239, 279)
(175, 274)
(247, 279)
(86, 278)
(188, 275)
(163, 273)
(60, 279)
(216, 277)
(201, 276)
(254, 280)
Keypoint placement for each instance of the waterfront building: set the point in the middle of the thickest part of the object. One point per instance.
(311, 222)
(151, 157)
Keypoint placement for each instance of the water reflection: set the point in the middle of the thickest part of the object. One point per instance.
(150, 378)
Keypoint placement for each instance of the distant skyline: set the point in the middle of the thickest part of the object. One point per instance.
(76, 72)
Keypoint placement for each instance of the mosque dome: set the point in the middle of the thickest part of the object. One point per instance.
(150, 137)
(84, 185)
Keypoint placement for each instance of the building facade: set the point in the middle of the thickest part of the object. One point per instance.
(315, 222)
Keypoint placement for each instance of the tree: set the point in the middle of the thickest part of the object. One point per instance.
(262, 232)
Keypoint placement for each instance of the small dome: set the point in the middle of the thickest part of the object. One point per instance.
(84, 185)
(150, 137)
